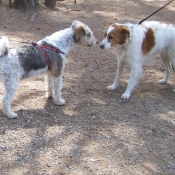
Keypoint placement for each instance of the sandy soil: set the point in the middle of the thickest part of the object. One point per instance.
(95, 132)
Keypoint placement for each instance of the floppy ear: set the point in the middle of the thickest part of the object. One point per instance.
(78, 32)
(125, 32)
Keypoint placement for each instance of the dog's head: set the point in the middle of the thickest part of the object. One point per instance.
(115, 35)
(83, 34)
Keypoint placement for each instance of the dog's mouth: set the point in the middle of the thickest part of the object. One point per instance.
(95, 42)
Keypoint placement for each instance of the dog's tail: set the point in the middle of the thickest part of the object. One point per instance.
(3, 46)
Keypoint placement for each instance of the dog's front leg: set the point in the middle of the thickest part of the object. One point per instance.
(115, 84)
(49, 85)
(57, 91)
(136, 71)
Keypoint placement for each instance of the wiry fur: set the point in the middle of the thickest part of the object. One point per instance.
(3, 46)
(140, 44)
(28, 61)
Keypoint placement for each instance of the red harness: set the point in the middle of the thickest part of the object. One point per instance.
(42, 49)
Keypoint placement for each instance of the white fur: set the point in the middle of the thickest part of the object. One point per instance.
(3, 45)
(11, 70)
(131, 51)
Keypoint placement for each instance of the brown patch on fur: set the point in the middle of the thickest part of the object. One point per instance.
(78, 32)
(118, 35)
(105, 34)
(108, 25)
(148, 42)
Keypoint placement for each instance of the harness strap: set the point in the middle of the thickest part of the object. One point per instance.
(42, 49)
(53, 49)
(46, 56)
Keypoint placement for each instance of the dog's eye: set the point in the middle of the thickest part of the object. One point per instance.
(111, 37)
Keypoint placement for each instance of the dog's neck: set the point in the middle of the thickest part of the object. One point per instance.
(63, 40)
(123, 49)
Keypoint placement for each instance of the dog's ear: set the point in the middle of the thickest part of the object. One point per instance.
(79, 31)
(76, 23)
(125, 32)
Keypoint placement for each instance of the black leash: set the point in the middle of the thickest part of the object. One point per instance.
(154, 13)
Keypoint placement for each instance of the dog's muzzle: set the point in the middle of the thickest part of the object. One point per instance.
(102, 46)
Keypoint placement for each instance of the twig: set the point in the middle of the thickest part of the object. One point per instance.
(97, 63)
(74, 10)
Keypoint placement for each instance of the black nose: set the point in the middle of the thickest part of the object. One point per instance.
(102, 46)
(97, 42)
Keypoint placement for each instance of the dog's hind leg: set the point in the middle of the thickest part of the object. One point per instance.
(168, 67)
(10, 90)
(57, 91)
(115, 84)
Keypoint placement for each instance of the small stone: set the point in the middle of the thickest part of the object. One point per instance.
(48, 165)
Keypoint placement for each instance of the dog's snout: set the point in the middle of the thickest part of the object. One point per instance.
(102, 46)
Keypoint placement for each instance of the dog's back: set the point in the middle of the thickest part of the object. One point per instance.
(164, 33)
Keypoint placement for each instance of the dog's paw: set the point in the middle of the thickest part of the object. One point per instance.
(163, 81)
(112, 88)
(125, 96)
(10, 114)
(59, 102)
(48, 95)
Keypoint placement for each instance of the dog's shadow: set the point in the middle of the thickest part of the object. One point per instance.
(33, 107)
(39, 118)
(44, 104)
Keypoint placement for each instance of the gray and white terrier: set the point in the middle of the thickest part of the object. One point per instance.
(46, 56)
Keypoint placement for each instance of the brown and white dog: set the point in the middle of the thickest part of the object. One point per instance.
(137, 44)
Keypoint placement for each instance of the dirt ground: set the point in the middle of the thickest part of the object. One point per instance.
(95, 132)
